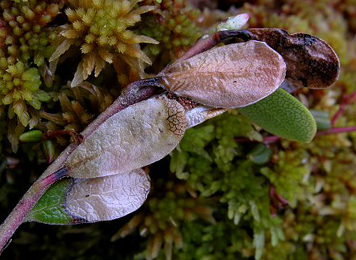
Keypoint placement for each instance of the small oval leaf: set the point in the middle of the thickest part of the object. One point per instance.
(73, 201)
(230, 76)
(31, 136)
(107, 198)
(283, 115)
(135, 137)
(260, 154)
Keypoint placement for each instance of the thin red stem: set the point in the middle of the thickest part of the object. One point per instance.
(135, 92)
(346, 100)
(273, 138)
(28, 201)
(337, 130)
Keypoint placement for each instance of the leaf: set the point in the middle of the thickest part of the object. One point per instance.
(107, 198)
(283, 115)
(199, 114)
(50, 208)
(78, 75)
(236, 22)
(73, 201)
(230, 76)
(135, 137)
(61, 49)
(31, 136)
(259, 243)
(260, 155)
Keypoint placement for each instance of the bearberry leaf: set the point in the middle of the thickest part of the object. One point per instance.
(50, 208)
(135, 137)
(230, 76)
(283, 115)
(73, 201)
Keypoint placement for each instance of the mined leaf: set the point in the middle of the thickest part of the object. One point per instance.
(73, 201)
(311, 62)
(50, 208)
(107, 198)
(283, 115)
(135, 137)
(230, 76)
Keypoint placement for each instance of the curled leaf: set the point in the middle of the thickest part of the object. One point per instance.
(200, 114)
(283, 115)
(230, 76)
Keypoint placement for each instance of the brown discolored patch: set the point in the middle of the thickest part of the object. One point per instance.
(311, 62)
(177, 122)
(187, 103)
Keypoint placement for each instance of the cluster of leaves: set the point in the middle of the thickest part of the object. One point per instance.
(214, 200)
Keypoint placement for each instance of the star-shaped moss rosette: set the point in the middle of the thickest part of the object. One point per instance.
(100, 28)
(19, 87)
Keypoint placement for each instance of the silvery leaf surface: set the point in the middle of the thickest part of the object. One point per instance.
(73, 201)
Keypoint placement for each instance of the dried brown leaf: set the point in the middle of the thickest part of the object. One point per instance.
(230, 76)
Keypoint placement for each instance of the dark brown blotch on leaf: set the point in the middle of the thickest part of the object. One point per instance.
(311, 62)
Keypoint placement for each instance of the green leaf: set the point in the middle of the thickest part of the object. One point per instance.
(31, 136)
(283, 115)
(260, 154)
(259, 243)
(50, 208)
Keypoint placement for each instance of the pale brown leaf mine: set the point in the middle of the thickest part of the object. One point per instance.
(311, 62)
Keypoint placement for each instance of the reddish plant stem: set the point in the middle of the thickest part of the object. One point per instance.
(337, 130)
(346, 100)
(135, 92)
(28, 201)
(276, 201)
(273, 138)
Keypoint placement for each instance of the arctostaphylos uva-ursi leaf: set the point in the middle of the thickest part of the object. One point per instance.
(229, 76)
(135, 137)
(283, 115)
(73, 201)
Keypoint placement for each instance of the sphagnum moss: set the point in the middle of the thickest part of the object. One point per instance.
(101, 29)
